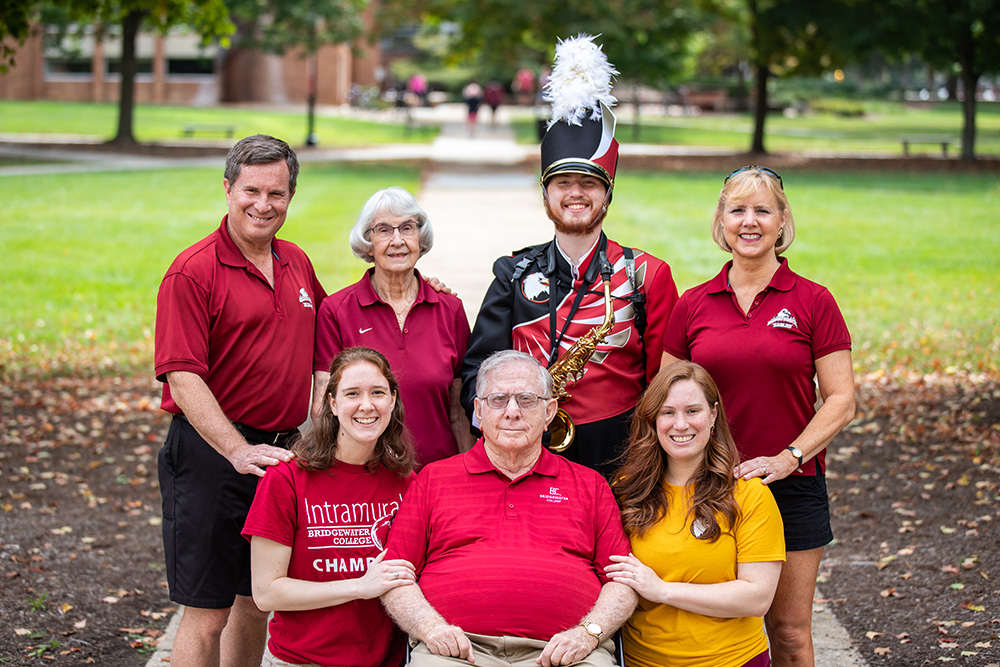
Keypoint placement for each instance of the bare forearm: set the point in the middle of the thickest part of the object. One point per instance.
(835, 413)
(460, 426)
(320, 380)
(729, 599)
(614, 606)
(287, 594)
(835, 375)
(412, 612)
(202, 410)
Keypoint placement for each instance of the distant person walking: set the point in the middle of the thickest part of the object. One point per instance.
(494, 97)
(525, 85)
(472, 95)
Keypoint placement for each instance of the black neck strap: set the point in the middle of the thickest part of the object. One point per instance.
(589, 276)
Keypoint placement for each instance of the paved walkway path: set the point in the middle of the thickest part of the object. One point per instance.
(482, 206)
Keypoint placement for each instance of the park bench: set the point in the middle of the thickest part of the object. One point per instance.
(190, 129)
(941, 139)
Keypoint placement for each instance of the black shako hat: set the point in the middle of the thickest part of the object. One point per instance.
(581, 135)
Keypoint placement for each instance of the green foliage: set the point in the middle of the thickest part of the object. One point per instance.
(281, 25)
(38, 604)
(15, 20)
(648, 40)
(51, 645)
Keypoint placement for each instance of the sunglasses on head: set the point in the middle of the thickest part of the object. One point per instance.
(765, 170)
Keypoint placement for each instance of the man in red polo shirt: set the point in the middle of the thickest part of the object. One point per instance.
(509, 541)
(235, 319)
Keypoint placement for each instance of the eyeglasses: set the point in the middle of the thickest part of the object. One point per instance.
(525, 400)
(766, 170)
(385, 231)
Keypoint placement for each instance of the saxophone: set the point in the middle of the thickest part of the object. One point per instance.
(572, 365)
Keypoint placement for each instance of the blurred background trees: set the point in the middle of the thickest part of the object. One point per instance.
(761, 56)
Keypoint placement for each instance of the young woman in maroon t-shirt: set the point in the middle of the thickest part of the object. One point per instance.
(319, 523)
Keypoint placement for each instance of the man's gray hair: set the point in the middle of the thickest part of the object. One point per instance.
(261, 149)
(392, 201)
(504, 357)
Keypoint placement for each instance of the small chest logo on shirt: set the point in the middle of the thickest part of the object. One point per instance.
(553, 496)
(304, 298)
(783, 320)
(535, 287)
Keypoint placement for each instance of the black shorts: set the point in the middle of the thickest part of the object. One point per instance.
(205, 504)
(805, 511)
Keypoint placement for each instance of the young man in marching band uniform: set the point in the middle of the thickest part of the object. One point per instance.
(544, 297)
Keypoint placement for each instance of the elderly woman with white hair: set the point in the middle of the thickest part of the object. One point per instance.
(421, 331)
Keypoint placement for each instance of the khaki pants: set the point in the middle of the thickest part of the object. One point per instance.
(271, 661)
(506, 652)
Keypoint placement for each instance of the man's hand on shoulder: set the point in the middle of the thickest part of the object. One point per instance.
(250, 459)
(567, 647)
(438, 286)
(449, 640)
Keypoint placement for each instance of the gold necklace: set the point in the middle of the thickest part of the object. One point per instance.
(400, 313)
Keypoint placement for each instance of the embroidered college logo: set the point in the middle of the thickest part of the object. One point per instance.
(535, 287)
(783, 320)
(304, 298)
(553, 496)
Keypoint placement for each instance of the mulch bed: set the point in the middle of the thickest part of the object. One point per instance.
(914, 574)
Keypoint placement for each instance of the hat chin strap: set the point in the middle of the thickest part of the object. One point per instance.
(598, 217)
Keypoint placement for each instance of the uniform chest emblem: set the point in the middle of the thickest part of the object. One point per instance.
(535, 287)
(783, 320)
(304, 298)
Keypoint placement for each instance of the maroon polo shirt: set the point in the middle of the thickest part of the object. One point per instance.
(764, 361)
(425, 355)
(522, 558)
(217, 317)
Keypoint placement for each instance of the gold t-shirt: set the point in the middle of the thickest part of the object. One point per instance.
(659, 634)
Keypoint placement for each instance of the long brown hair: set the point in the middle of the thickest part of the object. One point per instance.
(639, 482)
(317, 449)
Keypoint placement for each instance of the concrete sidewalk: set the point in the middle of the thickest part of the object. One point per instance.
(480, 213)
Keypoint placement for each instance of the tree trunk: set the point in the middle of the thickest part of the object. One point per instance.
(760, 74)
(126, 100)
(970, 80)
(760, 110)
(311, 138)
(636, 122)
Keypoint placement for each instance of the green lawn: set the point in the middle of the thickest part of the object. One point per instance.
(166, 123)
(83, 270)
(878, 130)
(912, 259)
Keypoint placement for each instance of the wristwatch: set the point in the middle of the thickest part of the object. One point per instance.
(593, 629)
(796, 452)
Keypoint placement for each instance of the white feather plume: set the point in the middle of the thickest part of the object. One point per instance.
(581, 80)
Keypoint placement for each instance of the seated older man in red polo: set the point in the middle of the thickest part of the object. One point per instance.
(509, 541)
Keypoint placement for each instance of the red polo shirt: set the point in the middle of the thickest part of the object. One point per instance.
(764, 361)
(217, 317)
(522, 558)
(425, 356)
